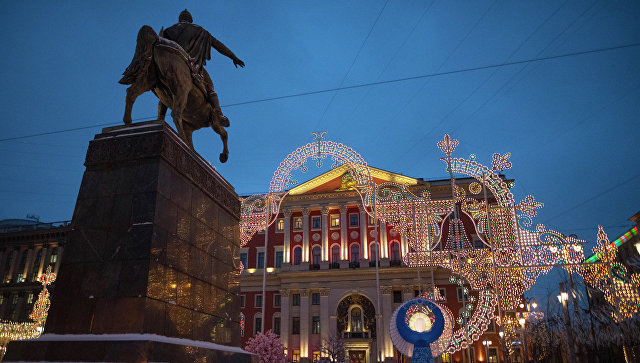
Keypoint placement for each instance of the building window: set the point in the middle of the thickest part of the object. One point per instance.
(1, 299)
(492, 326)
(466, 296)
(315, 255)
(353, 220)
(276, 300)
(397, 296)
(280, 225)
(316, 222)
(335, 220)
(258, 301)
(36, 266)
(295, 299)
(356, 320)
(54, 256)
(19, 277)
(276, 325)
(374, 252)
(316, 356)
(493, 355)
(30, 298)
(315, 298)
(295, 325)
(297, 255)
(260, 260)
(242, 300)
(443, 293)
(395, 251)
(243, 259)
(355, 252)
(278, 262)
(257, 327)
(297, 223)
(446, 358)
(335, 253)
(371, 221)
(296, 356)
(315, 325)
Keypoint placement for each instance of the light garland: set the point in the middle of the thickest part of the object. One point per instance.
(10, 330)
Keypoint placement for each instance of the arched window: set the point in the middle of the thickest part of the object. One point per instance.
(315, 255)
(335, 253)
(374, 252)
(356, 320)
(355, 252)
(395, 251)
(297, 255)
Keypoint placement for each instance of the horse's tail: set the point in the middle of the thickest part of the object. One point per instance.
(139, 66)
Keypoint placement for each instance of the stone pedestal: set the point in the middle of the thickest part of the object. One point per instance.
(153, 247)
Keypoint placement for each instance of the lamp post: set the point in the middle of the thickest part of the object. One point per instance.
(563, 298)
(505, 354)
(525, 352)
(486, 344)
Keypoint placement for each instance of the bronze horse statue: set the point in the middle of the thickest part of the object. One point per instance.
(161, 66)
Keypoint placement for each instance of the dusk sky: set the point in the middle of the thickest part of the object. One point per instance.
(566, 108)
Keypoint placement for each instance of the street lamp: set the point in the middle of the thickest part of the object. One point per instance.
(563, 298)
(486, 344)
(525, 351)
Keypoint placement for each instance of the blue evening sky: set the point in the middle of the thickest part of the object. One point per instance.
(571, 123)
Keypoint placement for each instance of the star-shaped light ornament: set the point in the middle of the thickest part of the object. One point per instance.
(448, 145)
(529, 206)
(501, 162)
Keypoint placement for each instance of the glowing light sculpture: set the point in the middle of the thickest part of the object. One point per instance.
(10, 330)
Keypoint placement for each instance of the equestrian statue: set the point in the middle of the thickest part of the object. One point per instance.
(171, 65)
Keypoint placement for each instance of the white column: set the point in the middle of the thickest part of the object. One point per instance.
(344, 253)
(42, 260)
(305, 235)
(284, 317)
(304, 323)
(286, 254)
(28, 264)
(404, 248)
(325, 234)
(364, 246)
(387, 347)
(324, 315)
(383, 239)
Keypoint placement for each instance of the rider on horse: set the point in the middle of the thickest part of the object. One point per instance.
(198, 43)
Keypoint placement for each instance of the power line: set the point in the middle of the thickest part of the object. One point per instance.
(361, 85)
(354, 61)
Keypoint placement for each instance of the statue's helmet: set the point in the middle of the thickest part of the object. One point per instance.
(185, 17)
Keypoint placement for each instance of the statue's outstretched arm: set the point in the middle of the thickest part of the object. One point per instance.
(222, 49)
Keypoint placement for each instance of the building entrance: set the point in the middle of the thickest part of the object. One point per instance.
(357, 356)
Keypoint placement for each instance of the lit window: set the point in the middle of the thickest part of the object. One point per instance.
(258, 301)
(296, 355)
(280, 225)
(335, 221)
(315, 325)
(297, 255)
(316, 222)
(295, 299)
(276, 300)
(316, 356)
(260, 259)
(297, 223)
(30, 298)
(493, 355)
(353, 220)
(315, 298)
(54, 256)
(371, 221)
(278, 261)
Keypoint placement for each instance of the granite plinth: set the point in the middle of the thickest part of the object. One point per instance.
(154, 243)
(122, 348)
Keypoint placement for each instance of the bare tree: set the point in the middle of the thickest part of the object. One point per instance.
(335, 349)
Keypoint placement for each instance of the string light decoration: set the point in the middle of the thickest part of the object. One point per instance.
(10, 330)
(607, 275)
(241, 324)
(253, 209)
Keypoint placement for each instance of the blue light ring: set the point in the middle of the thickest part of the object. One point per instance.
(425, 338)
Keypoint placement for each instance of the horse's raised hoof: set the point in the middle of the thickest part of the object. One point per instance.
(224, 157)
